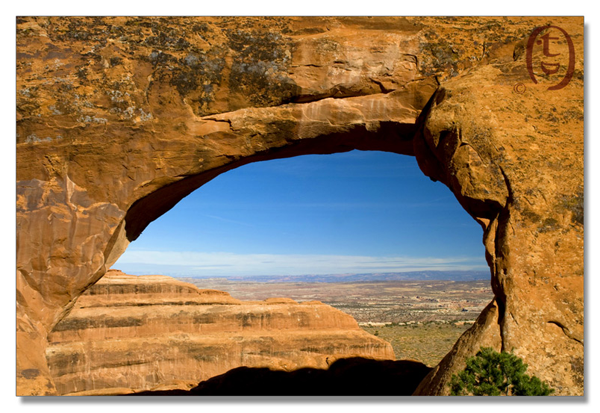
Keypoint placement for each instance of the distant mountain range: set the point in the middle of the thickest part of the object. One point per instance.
(367, 277)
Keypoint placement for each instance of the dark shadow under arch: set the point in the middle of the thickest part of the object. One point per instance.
(353, 376)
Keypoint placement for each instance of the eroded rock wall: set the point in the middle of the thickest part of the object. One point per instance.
(118, 118)
(129, 333)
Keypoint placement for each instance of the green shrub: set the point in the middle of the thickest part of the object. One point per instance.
(490, 373)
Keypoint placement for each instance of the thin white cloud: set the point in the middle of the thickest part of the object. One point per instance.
(225, 263)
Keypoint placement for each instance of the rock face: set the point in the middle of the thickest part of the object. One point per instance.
(129, 333)
(119, 118)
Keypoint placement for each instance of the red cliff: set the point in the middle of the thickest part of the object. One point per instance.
(129, 333)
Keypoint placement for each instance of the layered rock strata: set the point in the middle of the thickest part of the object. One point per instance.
(129, 333)
(119, 118)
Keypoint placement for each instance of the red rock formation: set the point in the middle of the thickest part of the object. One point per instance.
(119, 118)
(129, 333)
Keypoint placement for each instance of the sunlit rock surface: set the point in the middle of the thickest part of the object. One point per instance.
(129, 333)
(118, 118)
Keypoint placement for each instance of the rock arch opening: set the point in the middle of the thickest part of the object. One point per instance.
(352, 203)
(397, 194)
(388, 122)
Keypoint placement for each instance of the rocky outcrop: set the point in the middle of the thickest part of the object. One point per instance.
(129, 333)
(118, 118)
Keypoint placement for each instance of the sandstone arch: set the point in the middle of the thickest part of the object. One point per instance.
(119, 118)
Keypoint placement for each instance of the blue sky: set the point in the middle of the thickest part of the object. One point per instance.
(353, 212)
